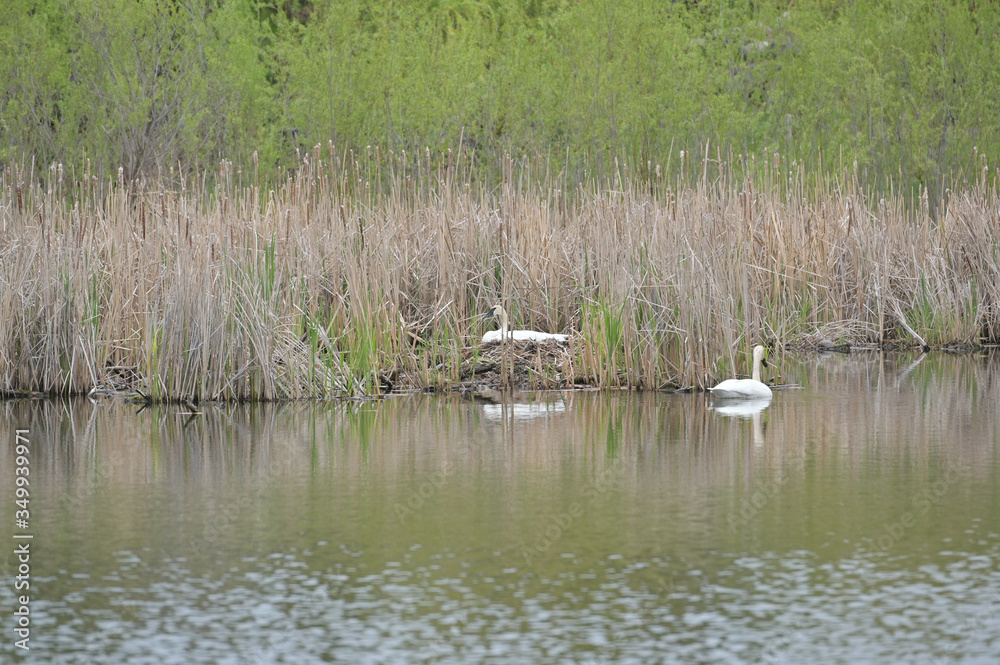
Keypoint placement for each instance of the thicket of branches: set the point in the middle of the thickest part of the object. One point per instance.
(905, 88)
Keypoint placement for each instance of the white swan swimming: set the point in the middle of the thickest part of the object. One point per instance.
(745, 388)
(517, 335)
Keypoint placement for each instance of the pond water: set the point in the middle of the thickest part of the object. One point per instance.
(854, 520)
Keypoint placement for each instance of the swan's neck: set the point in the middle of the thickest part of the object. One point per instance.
(503, 323)
(756, 368)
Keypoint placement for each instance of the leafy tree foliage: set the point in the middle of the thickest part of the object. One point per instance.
(907, 90)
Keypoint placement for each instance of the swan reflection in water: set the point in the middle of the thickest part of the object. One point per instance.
(523, 410)
(749, 409)
(739, 408)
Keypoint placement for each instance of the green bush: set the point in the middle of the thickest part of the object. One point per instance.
(906, 90)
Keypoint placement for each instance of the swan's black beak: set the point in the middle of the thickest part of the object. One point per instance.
(489, 314)
(763, 361)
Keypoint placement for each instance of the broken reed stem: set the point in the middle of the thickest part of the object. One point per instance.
(902, 321)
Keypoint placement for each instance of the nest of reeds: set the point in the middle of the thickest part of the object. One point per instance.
(523, 365)
(118, 381)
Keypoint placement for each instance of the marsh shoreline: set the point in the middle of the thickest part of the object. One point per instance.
(351, 275)
(484, 379)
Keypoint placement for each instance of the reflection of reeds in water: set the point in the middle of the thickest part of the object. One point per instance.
(849, 407)
(358, 270)
(654, 463)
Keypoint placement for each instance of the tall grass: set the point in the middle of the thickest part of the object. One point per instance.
(361, 268)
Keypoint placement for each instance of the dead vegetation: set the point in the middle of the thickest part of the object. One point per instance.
(363, 270)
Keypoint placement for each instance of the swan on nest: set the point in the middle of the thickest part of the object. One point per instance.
(517, 335)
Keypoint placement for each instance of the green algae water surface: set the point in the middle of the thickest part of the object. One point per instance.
(854, 520)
